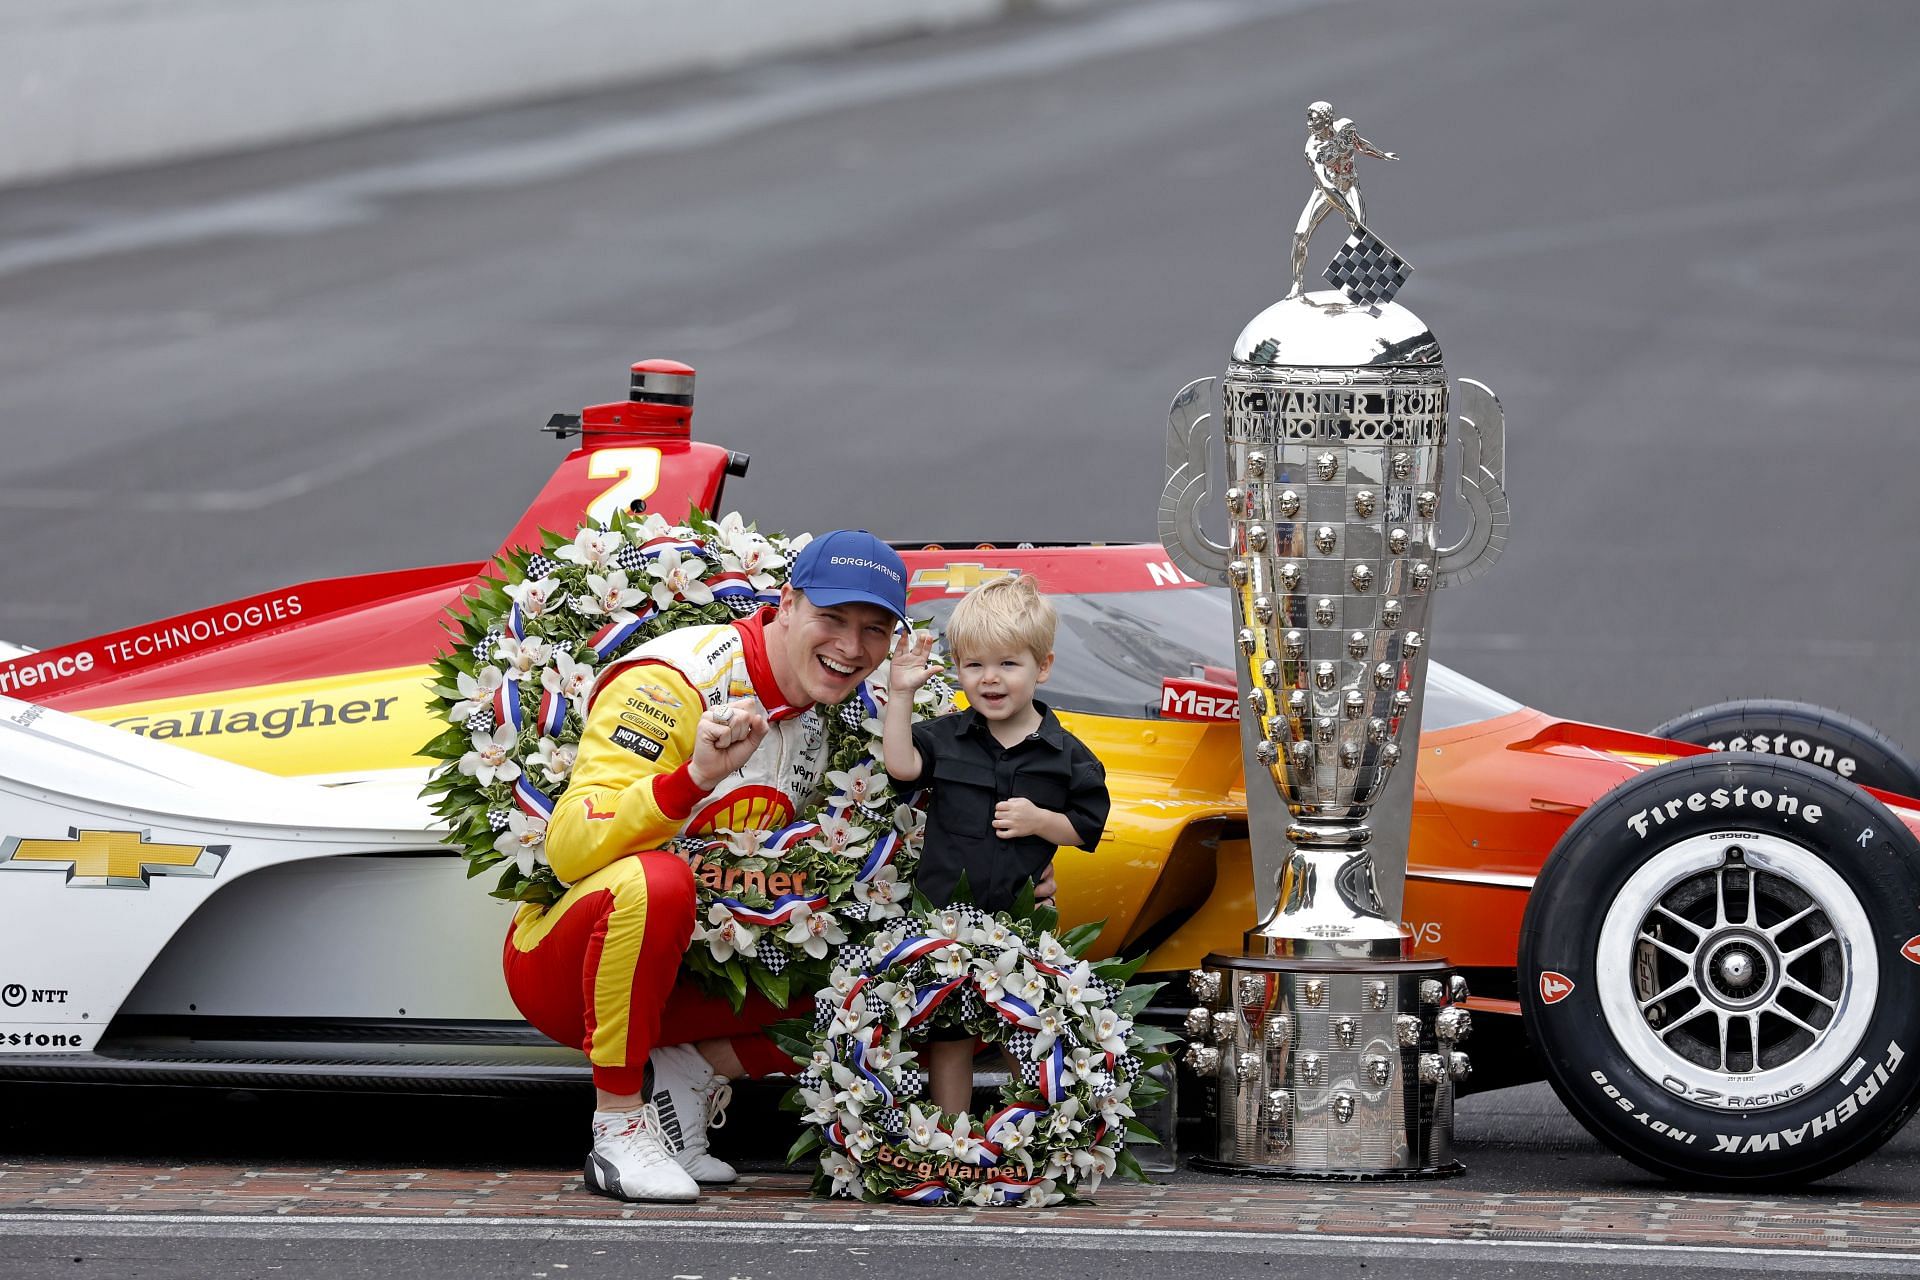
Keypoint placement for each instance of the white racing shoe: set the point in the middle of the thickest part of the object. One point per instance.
(630, 1162)
(690, 1098)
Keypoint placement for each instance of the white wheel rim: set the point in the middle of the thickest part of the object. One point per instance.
(1737, 969)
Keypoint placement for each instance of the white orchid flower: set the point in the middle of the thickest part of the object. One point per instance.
(1063, 1120)
(728, 937)
(571, 680)
(991, 976)
(861, 1139)
(1053, 1025)
(986, 1195)
(476, 692)
(1015, 1139)
(522, 657)
(819, 1105)
(536, 597)
(996, 934)
(1114, 1108)
(814, 931)
(844, 1172)
(593, 548)
(1109, 1030)
(836, 833)
(909, 821)
(524, 841)
(555, 759)
(679, 579)
(610, 596)
(1094, 1163)
(1080, 1062)
(1078, 989)
(855, 1089)
(758, 558)
(1047, 1193)
(730, 528)
(849, 1020)
(821, 1062)
(948, 924)
(954, 962)
(882, 894)
(841, 980)
(965, 1143)
(861, 784)
(490, 761)
(647, 528)
(879, 1056)
(1029, 985)
(1051, 952)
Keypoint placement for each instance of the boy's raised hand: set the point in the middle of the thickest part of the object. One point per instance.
(910, 664)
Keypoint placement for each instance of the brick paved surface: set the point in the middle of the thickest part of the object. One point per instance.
(1450, 1210)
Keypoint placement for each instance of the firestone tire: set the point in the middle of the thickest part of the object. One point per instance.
(1840, 744)
(1720, 966)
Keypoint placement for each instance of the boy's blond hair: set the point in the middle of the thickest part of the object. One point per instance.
(1005, 614)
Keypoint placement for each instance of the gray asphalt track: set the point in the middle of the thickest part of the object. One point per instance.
(953, 283)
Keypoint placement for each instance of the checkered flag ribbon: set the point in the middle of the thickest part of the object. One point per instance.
(912, 1083)
(630, 559)
(481, 721)
(1367, 270)
(539, 566)
(772, 955)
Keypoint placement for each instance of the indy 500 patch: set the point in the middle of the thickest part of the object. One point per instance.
(638, 743)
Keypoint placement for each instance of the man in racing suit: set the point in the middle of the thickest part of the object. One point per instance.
(705, 728)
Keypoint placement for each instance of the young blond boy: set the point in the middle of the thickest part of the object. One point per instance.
(1009, 784)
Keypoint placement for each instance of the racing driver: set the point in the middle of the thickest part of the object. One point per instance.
(705, 728)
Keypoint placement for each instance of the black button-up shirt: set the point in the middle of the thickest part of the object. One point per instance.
(970, 773)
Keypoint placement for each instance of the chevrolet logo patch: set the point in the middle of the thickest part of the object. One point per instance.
(959, 578)
(110, 859)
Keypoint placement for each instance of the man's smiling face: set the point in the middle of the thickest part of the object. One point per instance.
(822, 654)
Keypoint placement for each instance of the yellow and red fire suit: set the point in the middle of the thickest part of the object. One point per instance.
(598, 967)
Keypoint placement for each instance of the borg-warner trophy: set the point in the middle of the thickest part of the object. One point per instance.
(1330, 1051)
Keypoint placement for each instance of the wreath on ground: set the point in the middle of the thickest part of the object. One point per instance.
(1067, 1024)
(527, 644)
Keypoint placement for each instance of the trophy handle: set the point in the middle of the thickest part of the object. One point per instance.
(1199, 556)
(1483, 490)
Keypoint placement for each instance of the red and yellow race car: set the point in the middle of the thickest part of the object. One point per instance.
(1707, 938)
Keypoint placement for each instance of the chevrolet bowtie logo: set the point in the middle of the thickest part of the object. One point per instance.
(110, 859)
(958, 578)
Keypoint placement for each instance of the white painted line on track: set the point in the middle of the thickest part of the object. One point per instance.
(928, 1232)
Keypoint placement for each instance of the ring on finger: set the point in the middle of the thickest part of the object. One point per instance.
(722, 715)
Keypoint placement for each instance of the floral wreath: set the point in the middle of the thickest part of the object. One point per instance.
(1060, 1126)
(527, 645)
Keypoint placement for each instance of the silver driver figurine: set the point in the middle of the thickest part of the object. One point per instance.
(1330, 149)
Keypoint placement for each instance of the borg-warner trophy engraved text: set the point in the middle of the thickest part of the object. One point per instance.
(1332, 1051)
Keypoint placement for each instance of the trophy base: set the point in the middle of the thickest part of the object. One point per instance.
(1330, 1069)
(1201, 1164)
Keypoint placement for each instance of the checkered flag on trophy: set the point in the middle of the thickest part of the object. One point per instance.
(1367, 270)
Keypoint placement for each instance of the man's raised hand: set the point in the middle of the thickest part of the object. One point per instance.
(723, 740)
(910, 664)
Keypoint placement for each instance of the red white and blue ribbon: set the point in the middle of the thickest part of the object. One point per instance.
(728, 587)
(778, 842)
(1006, 1120)
(652, 547)
(907, 950)
(1053, 1073)
(860, 1065)
(927, 999)
(507, 709)
(1015, 1190)
(883, 852)
(921, 1193)
(1016, 1011)
(516, 622)
(784, 909)
(553, 713)
(531, 799)
(615, 634)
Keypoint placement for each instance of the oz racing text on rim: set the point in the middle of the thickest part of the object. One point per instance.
(1750, 969)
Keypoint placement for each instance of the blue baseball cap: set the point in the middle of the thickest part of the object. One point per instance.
(851, 566)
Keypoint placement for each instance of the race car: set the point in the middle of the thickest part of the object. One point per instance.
(217, 867)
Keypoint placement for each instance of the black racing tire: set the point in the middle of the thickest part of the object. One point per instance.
(1664, 1006)
(1838, 743)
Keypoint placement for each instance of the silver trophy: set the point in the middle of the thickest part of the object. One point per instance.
(1330, 1050)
